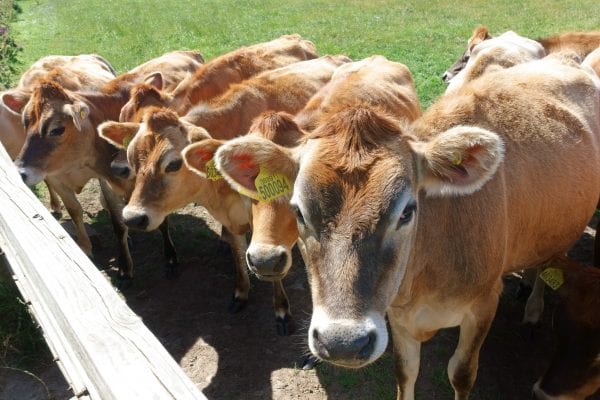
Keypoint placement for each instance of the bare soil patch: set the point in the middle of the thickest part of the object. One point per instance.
(240, 356)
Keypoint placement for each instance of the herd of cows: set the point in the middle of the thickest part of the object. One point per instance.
(400, 215)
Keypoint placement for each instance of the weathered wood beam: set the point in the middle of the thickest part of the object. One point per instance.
(103, 348)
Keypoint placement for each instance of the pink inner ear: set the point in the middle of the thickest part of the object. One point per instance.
(199, 157)
(244, 170)
(13, 103)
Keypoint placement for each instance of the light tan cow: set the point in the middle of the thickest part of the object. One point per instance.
(582, 43)
(62, 141)
(215, 77)
(163, 185)
(274, 230)
(421, 222)
(82, 72)
(502, 51)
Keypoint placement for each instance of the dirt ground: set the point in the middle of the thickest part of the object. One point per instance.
(239, 356)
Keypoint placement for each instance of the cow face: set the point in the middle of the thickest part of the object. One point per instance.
(274, 229)
(59, 133)
(479, 35)
(355, 198)
(162, 182)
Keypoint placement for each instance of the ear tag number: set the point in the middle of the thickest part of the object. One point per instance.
(212, 173)
(553, 277)
(269, 186)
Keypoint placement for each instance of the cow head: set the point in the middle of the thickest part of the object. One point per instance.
(163, 183)
(142, 96)
(479, 35)
(356, 184)
(274, 230)
(59, 132)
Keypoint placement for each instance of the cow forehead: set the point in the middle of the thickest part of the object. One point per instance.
(355, 198)
(150, 147)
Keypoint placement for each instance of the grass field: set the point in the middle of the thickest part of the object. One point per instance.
(426, 36)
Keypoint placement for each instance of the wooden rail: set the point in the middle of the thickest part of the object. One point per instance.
(102, 347)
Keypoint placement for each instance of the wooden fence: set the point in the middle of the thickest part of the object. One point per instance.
(102, 347)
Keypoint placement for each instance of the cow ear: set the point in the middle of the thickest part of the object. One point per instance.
(241, 160)
(459, 161)
(118, 134)
(198, 157)
(79, 111)
(480, 34)
(155, 79)
(14, 101)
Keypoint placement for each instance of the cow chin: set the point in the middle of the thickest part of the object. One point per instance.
(142, 218)
(349, 343)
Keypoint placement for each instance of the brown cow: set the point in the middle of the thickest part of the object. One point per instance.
(62, 139)
(215, 77)
(582, 43)
(82, 72)
(163, 186)
(421, 222)
(274, 230)
(574, 372)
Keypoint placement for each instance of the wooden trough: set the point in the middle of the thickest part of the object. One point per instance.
(102, 347)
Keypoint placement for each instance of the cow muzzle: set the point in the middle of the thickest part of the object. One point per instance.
(347, 343)
(31, 176)
(268, 262)
(137, 218)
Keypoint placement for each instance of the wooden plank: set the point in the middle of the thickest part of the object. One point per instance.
(105, 350)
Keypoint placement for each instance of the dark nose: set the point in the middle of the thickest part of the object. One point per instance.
(343, 344)
(272, 263)
(23, 176)
(139, 221)
(446, 77)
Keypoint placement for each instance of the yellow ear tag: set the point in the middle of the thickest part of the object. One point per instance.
(212, 173)
(82, 115)
(126, 141)
(553, 277)
(457, 160)
(269, 186)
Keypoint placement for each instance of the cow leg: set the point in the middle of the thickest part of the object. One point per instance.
(462, 368)
(535, 303)
(115, 205)
(239, 245)
(597, 245)
(407, 359)
(75, 211)
(54, 201)
(282, 309)
(169, 249)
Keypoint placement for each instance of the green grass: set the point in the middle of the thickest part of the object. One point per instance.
(426, 36)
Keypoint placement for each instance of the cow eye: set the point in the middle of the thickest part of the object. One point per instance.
(57, 131)
(299, 216)
(174, 165)
(407, 215)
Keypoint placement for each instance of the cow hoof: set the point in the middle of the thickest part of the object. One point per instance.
(237, 305)
(171, 271)
(124, 283)
(56, 214)
(284, 325)
(310, 362)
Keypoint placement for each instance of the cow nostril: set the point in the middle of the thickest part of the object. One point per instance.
(320, 346)
(368, 345)
(280, 263)
(138, 222)
(23, 176)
